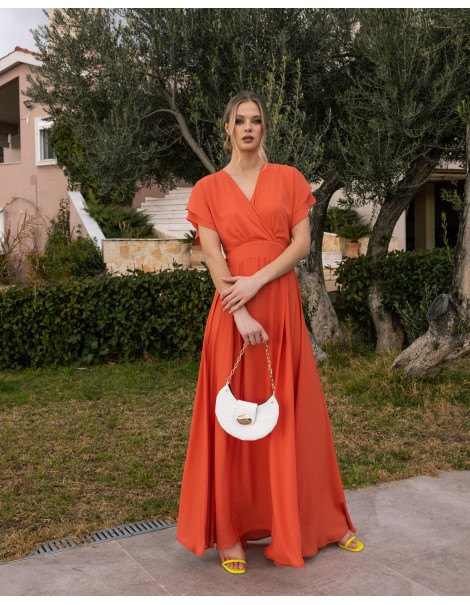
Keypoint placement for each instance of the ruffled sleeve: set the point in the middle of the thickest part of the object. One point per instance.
(302, 198)
(198, 210)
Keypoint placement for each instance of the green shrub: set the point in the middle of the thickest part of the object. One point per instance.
(406, 278)
(98, 319)
(65, 257)
(413, 317)
(4, 272)
(80, 258)
(121, 221)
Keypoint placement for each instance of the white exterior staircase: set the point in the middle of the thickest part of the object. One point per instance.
(168, 214)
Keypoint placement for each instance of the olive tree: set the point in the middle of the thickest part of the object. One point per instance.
(399, 121)
(136, 97)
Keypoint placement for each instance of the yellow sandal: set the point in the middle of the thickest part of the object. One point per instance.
(230, 570)
(359, 546)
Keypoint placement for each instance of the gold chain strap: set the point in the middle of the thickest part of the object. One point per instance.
(267, 358)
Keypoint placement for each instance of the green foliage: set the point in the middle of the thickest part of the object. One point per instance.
(289, 138)
(80, 258)
(116, 79)
(413, 317)
(409, 75)
(190, 237)
(65, 257)
(451, 195)
(406, 280)
(121, 221)
(345, 222)
(70, 156)
(354, 232)
(4, 273)
(338, 217)
(96, 319)
(59, 229)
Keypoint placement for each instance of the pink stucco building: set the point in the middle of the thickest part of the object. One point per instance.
(31, 183)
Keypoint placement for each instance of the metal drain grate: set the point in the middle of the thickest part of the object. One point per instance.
(102, 535)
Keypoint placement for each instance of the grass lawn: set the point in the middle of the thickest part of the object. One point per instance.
(87, 448)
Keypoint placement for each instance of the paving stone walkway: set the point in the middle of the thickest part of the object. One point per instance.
(416, 534)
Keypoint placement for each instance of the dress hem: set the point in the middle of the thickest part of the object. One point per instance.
(242, 539)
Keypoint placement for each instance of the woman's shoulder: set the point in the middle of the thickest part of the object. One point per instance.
(285, 170)
(207, 181)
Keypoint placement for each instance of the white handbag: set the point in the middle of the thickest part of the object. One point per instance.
(243, 419)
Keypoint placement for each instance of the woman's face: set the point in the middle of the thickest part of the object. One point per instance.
(248, 127)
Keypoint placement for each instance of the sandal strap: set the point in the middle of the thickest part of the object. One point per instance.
(234, 561)
(349, 541)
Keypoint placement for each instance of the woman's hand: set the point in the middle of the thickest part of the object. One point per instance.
(251, 330)
(238, 294)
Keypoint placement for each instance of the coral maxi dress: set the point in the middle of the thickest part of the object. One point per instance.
(286, 485)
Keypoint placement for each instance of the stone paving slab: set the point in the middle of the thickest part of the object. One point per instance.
(416, 533)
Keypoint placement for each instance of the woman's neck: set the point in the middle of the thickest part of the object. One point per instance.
(250, 163)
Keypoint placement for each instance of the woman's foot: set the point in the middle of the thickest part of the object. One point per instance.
(346, 537)
(235, 552)
(354, 544)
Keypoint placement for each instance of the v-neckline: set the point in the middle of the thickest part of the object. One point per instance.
(250, 201)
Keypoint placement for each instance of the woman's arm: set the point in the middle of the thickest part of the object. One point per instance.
(250, 329)
(245, 287)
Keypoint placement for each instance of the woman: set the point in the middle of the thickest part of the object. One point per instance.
(286, 485)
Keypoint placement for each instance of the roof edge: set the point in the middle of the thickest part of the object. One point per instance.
(16, 57)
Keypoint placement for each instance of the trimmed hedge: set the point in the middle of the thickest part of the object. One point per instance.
(97, 319)
(405, 279)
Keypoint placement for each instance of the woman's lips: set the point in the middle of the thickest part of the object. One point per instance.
(247, 138)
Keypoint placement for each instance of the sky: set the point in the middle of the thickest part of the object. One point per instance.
(15, 24)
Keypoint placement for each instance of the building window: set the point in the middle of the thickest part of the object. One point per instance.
(44, 153)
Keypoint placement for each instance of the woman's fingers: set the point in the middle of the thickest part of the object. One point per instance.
(239, 293)
(230, 299)
(251, 330)
(257, 337)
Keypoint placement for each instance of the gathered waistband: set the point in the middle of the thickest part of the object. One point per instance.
(255, 248)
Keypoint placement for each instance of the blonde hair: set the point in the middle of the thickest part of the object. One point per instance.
(230, 115)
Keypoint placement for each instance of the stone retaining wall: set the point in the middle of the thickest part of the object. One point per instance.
(146, 254)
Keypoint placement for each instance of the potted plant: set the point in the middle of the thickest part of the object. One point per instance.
(352, 233)
(337, 217)
(197, 255)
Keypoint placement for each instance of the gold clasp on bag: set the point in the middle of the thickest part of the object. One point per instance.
(244, 419)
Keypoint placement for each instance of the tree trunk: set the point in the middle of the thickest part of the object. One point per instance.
(390, 336)
(188, 137)
(447, 338)
(323, 322)
(448, 335)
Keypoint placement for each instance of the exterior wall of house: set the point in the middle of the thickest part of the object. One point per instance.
(29, 193)
(27, 190)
